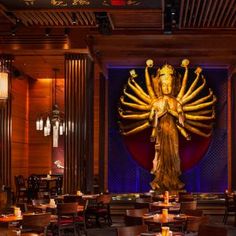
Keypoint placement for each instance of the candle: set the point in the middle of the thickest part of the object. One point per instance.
(166, 197)
(165, 231)
(165, 213)
(17, 212)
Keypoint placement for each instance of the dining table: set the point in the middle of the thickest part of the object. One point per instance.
(173, 206)
(14, 232)
(53, 207)
(160, 220)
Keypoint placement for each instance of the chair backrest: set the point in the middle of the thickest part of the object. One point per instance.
(185, 197)
(36, 220)
(59, 184)
(67, 208)
(207, 230)
(72, 198)
(132, 230)
(194, 222)
(196, 212)
(23, 206)
(110, 231)
(37, 202)
(142, 203)
(189, 205)
(229, 201)
(104, 199)
(19, 181)
(136, 212)
(135, 216)
(33, 182)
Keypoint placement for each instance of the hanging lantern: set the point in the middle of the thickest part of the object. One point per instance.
(3, 85)
(52, 123)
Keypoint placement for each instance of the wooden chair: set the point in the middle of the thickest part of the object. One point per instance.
(36, 223)
(189, 205)
(72, 198)
(142, 203)
(214, 230)
(33, 187)
(185, 197)
(36, 203)
(67, 214)
(132, 230)
(57, 188)
(23, 206)
(196, 212)
(230, 207)
(21, 189)
(110, 231)
(100, 209)
(135, 216)
(193, 223)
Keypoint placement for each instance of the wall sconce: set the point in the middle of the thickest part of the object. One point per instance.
(3, 83)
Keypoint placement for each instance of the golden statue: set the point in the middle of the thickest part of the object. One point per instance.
(167, 106)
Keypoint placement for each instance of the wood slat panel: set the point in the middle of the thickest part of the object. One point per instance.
(207, 11)
(191, 13)
(54, 18)
(207, 14)
(213, 12)
(227, 13)
(79, 123)
(225, 6)
(5, 127)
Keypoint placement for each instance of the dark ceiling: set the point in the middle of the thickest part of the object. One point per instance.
(201, 30)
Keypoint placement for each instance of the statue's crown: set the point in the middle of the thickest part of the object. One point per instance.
(166, 69)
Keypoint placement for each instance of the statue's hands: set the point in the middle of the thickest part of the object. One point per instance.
(120, 111)
(181, 119)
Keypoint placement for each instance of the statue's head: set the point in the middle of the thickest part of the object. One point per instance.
(166, 77)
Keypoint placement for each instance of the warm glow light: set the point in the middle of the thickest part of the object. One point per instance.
(3, 85)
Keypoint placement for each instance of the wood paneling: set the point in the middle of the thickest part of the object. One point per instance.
(40, 102)
(19, 145)
(5, 127)
(79, 123)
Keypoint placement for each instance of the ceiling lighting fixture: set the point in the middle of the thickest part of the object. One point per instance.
(53, 122)
(103, 23)
(66, 32)
(47, 32)
(74, 19)
(171, 16)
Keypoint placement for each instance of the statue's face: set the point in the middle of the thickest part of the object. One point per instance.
(166, 87)
(166, 78)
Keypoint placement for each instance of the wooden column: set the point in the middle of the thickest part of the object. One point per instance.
(232, 131)
(78, 173)
(102, 139)
(5, 126)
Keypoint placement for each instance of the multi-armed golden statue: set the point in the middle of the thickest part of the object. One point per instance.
(167, 106)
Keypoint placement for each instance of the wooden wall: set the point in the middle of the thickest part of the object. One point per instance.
(31, 151)
(19, 143)
(41, 98)
(40, 101)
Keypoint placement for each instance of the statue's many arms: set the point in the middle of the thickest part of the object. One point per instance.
(167, 105)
